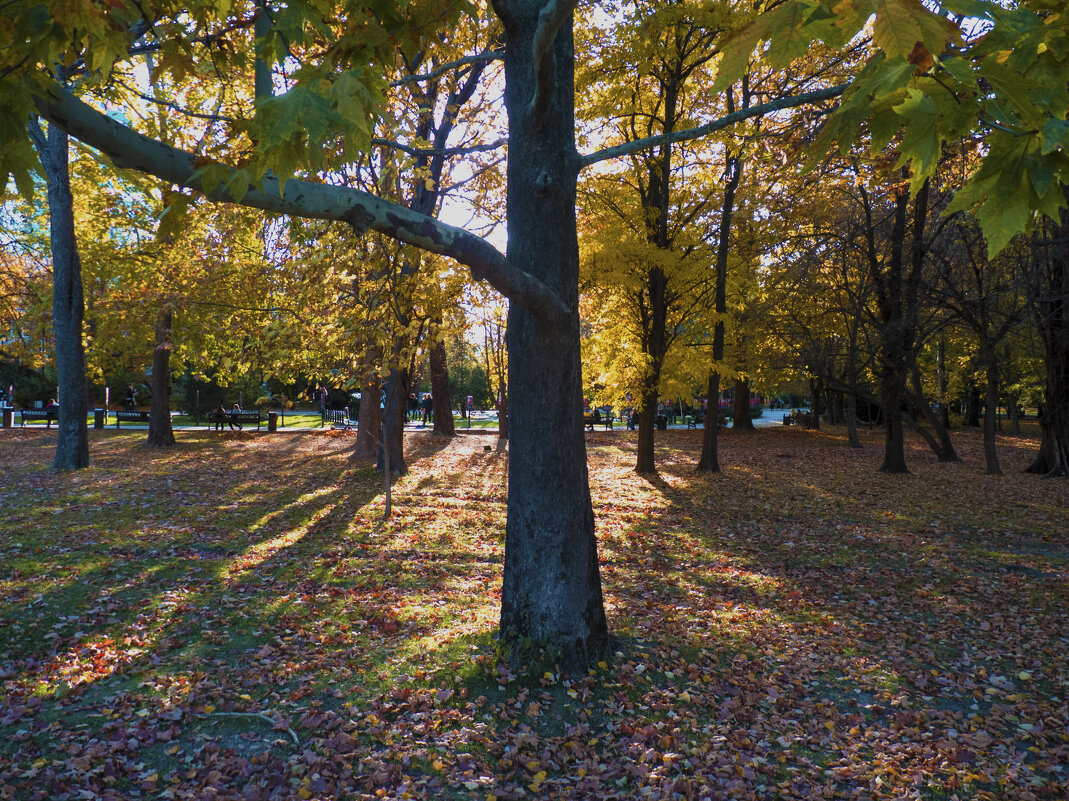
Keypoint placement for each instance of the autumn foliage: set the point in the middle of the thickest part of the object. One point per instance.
(232, 619)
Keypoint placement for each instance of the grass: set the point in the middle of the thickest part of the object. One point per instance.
(231, 616)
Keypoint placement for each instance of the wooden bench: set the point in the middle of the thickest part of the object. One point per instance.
(130, 416)
(591, 421)
(242, 418)
(48, 415)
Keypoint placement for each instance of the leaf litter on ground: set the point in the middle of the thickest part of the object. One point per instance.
(231, 618)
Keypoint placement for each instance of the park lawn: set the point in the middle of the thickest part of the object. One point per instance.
(231, 618)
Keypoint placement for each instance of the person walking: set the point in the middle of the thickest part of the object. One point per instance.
(428, 407)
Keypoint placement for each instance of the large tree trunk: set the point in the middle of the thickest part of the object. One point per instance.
(710, 460)
(443, 410)
(68, 303)
(160, 432)
(551, 592)
(369, 429)
(647, 417)
(393, 424)
(894, 451)
(742, 419)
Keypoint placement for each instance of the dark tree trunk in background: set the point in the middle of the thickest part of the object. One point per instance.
(68, 302)
(369, 429)
(897, 279)
(938, 438)
(443, 410)
(815, 395)
(972, 406)
(503, 417)
(551, 592)
(990, 415)
(1049, 289)
(944, 383)
(742, 420)
(851, 420)
(160, 432)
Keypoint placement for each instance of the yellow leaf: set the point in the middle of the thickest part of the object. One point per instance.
(208, 709)
(245, 697)
(829, 725)
(304, 792)
(540, 776)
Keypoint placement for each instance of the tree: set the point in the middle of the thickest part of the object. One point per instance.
(68, 300)
(551, 592)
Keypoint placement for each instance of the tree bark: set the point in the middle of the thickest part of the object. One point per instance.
(551, 594)
(68, 302)
(990, 415)
(369, 429)
(160, 432)
(443, 409)
(939, 441)
(742, 420)
(393, 424)
(709, 461)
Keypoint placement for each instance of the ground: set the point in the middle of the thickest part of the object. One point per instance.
(231, 619)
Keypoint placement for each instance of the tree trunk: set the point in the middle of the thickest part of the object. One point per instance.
(940, 442)
(503, 417)
(1014, 410)
(551, 594)
(894, 452)
(851, 420)
(393, 424)
(815, 394)
(160, 432)
(990, 415)
(943, 382)
(742, 420)
(972, 406)
(369, 429)
(1050, 301)
(644, 462)
(443, 410)
(709, 461)
(68, 303)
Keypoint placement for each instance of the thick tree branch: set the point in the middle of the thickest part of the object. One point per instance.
(726, 121)
(553, 14)
(362, 211)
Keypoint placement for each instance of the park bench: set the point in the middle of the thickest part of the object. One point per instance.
(242, 418)
(340, 419)
(603, 417)
(130, 416)
(48, 415)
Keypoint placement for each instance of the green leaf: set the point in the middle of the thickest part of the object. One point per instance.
(920, 139)
(1055, 135)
